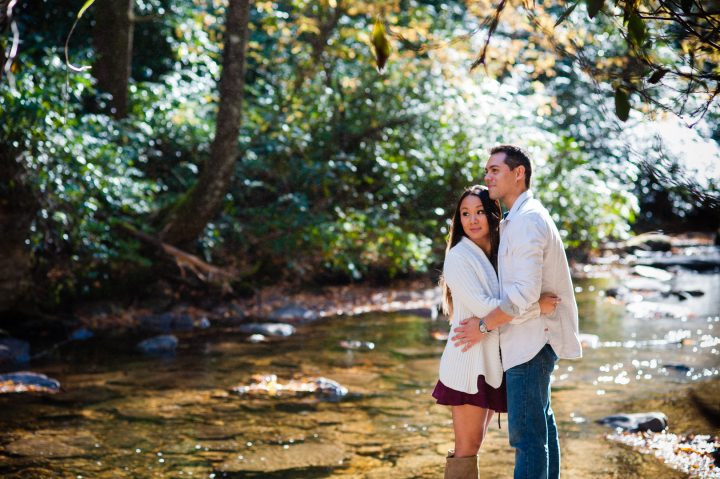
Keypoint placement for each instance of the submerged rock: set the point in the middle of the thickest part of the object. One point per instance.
(678, 367)
(329, 388)
(163, 344)
(81, 334)
(268, 329)
(293, 313)
(167, 322)
(26, 381)
(646, 421)
(14, 350)
(43, 447)
(649, 242)
(269, 386)
(290, 459)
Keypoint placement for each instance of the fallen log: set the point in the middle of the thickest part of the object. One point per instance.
(204, 271)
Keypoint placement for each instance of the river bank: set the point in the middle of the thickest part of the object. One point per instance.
(591, 455)
(296, 304)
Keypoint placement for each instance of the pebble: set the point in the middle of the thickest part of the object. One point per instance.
(690, 455)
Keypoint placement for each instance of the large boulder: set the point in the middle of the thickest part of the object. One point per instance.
(268, 329)
(14, 351)
(26, 381)
(649, 242)
(163, 344)
(645, 421)
(293, 313)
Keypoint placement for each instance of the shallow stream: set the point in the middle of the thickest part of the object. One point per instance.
(122, 414)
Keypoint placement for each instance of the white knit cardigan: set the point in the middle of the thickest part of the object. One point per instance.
(475, 291)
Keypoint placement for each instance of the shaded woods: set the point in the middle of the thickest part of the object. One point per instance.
(227, 145)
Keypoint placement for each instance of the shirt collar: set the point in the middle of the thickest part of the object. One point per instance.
(526, 195)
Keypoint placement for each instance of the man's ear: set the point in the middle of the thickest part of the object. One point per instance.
(519, 173)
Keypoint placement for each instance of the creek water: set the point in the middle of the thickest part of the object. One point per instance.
(122, 414)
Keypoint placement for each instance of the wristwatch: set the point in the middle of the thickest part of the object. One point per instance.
(483, 327)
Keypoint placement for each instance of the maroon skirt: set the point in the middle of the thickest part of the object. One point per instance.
(487, 396)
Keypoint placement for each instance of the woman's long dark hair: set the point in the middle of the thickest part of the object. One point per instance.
(493, 214)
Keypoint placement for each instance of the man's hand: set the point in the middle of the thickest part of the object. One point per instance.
(548, 303)
(468, 334)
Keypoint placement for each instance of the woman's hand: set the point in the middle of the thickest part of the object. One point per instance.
(548, 303)
(467, 334)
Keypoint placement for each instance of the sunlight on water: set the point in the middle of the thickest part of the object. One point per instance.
(342, 397)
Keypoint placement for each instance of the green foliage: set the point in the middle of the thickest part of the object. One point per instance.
(343, 173)
(84, 169)
(588, 202)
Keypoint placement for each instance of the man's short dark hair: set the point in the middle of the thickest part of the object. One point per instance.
(514, 157)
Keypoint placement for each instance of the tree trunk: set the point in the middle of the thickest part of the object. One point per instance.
(205, 199)
(17, 210)
(113, 40)
(4, 24)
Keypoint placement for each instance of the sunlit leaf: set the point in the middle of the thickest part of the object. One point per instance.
(381, 45)
(622, 104)
(594, 7)
(636, 30)
(85, 7)
(630, 9)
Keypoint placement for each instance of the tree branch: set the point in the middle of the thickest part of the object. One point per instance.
(185, 261)
(493, 25)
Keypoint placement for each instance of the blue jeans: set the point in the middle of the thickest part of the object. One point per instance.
(531, 421)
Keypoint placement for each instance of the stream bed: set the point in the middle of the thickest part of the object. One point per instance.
(124, 414)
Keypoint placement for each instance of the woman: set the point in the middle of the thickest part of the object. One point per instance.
(471, 382)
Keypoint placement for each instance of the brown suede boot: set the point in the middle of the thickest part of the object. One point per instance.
(461, 467)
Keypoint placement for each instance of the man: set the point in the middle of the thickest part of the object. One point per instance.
(531, 260)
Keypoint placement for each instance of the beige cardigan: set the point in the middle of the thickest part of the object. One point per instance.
(475, 292)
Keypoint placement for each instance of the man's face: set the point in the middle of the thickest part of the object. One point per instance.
(499, 178)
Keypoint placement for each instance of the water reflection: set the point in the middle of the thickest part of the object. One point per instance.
(122, 414)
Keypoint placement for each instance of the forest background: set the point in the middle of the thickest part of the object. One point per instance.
(226, 145)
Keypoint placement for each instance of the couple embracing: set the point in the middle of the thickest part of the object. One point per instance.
(508, 292)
